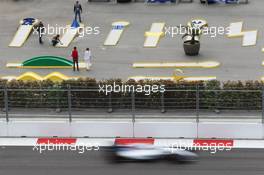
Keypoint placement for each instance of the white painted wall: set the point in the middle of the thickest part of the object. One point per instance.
(231, 130)
(166, 129)
(110, 128)
(101, 129)
(66, 129)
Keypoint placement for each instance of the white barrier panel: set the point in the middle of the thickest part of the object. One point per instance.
(110, 128)
(38, 128)
(102, 129)
(165, 129)
(263, 131)
(256, 144)
(230, 130)
(3, 129)
(65, 129)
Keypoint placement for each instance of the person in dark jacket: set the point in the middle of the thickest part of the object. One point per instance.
(75, 58)
(40, 30)
(77, 10)
(55, 40)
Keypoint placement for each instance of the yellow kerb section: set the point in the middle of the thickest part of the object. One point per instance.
(57, 77)
(31, 76)
(82, 65)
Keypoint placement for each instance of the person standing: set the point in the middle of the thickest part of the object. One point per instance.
(40, 30)
(75, 58)
(77, 11)
(87, 58)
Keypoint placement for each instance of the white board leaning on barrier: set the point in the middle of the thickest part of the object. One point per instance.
(116, 33)
(25, 28)
(69, 35)
(153, 36)
(205, 64)
(173, 78)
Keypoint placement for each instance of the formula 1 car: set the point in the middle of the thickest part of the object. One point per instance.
(145, 152)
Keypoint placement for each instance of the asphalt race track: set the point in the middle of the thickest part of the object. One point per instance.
(25, 161)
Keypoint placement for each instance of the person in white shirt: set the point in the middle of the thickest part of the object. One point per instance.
(87, 58)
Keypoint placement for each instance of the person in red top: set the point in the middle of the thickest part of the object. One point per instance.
(75, 58)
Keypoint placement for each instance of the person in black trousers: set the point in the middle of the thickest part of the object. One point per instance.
(77, 11)
(40, 30)
(75, 58)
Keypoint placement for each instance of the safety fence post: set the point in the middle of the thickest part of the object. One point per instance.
(262, 98)
(133, 111)
(69, 104)
(110, 107)
(6, 104)
(162, 103)
(197, 103)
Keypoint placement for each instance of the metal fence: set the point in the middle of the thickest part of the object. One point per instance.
(69, 103)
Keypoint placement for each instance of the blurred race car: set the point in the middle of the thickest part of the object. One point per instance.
(146, 152)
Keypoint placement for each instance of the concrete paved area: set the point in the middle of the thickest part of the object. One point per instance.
(238, 63)
(24, 161)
